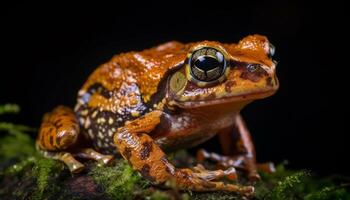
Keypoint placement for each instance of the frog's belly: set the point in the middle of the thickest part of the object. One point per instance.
(172, 143)
(186, 130)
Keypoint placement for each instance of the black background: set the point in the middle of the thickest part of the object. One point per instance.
(49, 50)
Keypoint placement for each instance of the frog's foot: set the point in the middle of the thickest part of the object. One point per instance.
(188, 179)
(88, 153)
(241, 162)
(58, 136)
(74, 165)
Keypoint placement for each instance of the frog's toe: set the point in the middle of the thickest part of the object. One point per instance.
(105, 159)
(208, 175)
(267, 167)
(76, 167)
(202, 155)
(73, 165)
(89, 153)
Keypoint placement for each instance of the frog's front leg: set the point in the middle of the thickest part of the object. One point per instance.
(58, 136)
(145, 156)
(237, 144)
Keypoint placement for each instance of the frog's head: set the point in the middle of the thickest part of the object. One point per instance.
(216, 73)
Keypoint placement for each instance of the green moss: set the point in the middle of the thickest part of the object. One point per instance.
(328, 193)
(160, 195)
(43, 170)
(16, 145)
(20, 166)
(9, 108)
(118, 181)
(216, 196)
(284, 188)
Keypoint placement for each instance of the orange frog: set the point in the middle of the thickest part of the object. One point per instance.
(173, 96)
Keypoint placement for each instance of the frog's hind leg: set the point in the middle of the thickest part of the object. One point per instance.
(58, 136)
(146, 156)
(239, 149)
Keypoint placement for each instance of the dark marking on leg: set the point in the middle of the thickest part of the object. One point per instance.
(58, 121)
(42, 139)
(145, 172)
(127, 152)
(58, 140)
(58, 125)
(209, 185)
(139, 134)
(51, 139)
(146, 150)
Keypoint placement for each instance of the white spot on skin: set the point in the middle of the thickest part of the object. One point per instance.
(85, 98)
(80, 101)
(110, 133)
(81, 120)
(101, 120)
(99, 143)
(181, 123)
(135, 113)
(87, 123)
(100, 135)
(84, 112)
(176, 126)
(92, 136)
(94, 114)
(81, 92)
(110, 121)
(106, 144)
(162, 141)
(120, 111)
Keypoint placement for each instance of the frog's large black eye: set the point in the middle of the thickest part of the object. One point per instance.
(207, 64)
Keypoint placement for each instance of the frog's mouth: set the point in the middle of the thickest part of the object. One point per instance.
(238, 100)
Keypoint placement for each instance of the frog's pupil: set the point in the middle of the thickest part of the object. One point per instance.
(206, 63)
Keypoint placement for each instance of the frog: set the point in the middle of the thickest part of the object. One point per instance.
(143, 105)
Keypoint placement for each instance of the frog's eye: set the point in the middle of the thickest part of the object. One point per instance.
(207, 64)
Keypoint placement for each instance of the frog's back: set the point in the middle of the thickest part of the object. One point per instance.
(123, 89)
